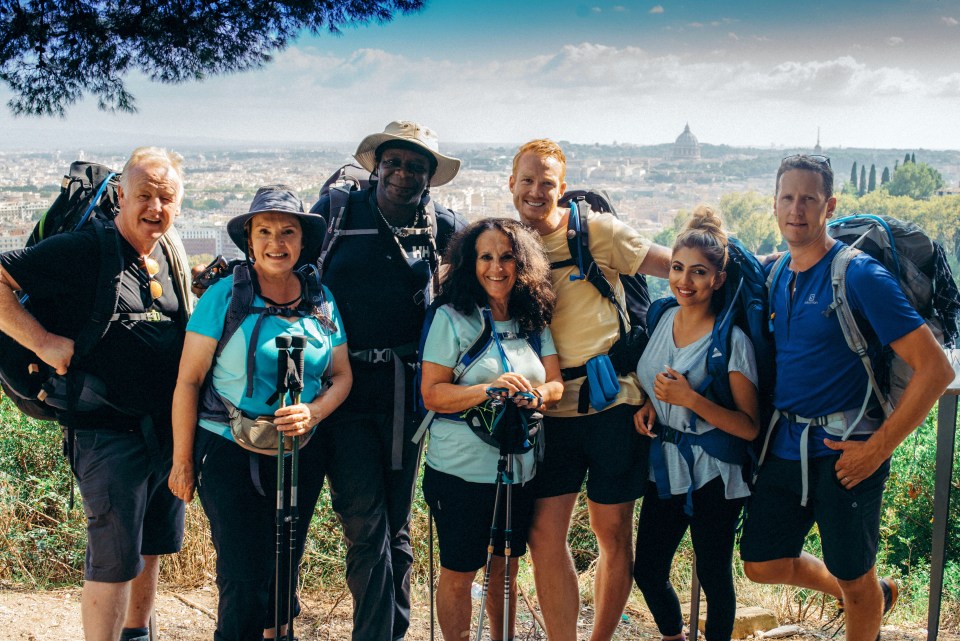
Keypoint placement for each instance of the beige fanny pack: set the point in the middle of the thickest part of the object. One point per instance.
(259, 434)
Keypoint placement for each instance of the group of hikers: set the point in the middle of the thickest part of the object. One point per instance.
(206, 374)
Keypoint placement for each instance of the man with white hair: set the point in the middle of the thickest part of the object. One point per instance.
(120, 451)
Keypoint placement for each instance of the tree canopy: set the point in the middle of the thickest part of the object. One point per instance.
(52, 53)
(915, 180)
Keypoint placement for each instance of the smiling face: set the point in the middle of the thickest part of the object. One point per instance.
(496, 265)
(276, 241)
(802, 209)
(693, 277)
(537, 185)
(149, 197)
(404, 175)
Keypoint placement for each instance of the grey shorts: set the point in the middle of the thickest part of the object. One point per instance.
(130, 511)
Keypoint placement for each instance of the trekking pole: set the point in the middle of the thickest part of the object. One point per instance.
(296, 386)
(430, 536)
(497, 403)
(283, 363)
(501, 466)
(507, 536)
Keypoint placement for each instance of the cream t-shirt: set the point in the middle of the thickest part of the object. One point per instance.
(584, 323)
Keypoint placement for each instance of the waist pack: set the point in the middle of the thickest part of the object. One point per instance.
(260, 434)
(602, 383)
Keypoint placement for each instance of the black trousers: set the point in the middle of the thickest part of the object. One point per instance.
(660, 528)
(373, 504)
(243, 529)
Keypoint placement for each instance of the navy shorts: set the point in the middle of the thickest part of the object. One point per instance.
(848, 520)
(603, 448)
(463, 512)
(130, 511)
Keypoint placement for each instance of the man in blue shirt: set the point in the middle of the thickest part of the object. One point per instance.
(821, 381)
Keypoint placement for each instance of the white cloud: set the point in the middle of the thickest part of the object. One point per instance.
(950, 21)
(596, 9)
(695, 25)
(619, 8)
(732, 36)
(656, 9)
(895, 41)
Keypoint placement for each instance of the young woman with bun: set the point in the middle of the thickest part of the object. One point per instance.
(687, 470)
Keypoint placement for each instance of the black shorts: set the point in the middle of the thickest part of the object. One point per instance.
(463, 512)
(848, 520)
(603, 448)
(129, 509)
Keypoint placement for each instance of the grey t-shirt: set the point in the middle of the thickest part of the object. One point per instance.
(691, 360)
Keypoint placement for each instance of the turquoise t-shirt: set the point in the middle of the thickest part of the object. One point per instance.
(454, 448)
(230, 369)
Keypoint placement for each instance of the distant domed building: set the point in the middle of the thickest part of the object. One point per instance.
(687, 147)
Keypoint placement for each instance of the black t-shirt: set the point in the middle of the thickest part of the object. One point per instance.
(377, 293)
(137, 359)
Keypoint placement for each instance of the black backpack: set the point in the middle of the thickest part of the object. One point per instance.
(88, 198)
(634, 286)
(626, 351)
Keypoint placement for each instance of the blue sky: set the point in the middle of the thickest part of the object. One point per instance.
(869, 74)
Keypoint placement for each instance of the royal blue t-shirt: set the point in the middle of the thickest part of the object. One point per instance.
(817, 374)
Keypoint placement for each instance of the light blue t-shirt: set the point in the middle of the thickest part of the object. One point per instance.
(454, 448)
(230, 369)
(691, 360)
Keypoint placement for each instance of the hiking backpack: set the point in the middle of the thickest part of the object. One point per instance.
(483, 341)
(745, 306)
(578, 241)
(919, 264)
(88, 197)
(351, 178)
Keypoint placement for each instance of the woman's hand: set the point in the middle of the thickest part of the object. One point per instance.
(644, 419)
(672, 387)
(180, 480)
(295, 420)
(513, 383)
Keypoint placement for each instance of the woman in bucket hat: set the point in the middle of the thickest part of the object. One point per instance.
(381, 270)
(229, 391)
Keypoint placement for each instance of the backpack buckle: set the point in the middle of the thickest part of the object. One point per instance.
(380, 355)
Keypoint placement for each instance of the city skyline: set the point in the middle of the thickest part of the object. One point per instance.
(749, 73)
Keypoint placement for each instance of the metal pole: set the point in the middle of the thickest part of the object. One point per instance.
(296, 386)
(282, 343)
(946, 436)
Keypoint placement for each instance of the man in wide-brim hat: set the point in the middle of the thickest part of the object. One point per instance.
(380, 271)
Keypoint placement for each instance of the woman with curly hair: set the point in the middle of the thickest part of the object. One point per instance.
(498, 271)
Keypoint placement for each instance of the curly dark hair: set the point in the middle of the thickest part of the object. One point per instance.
(532, 299)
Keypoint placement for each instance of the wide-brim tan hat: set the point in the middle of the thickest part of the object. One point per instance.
(410, 132)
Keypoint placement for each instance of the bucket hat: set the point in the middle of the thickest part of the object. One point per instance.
(278, 199)
(410, 132)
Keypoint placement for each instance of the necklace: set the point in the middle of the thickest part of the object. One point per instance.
(276, 304)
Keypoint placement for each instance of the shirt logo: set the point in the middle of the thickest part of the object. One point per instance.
(811, 300)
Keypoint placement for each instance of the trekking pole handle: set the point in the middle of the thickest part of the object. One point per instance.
(298, 344)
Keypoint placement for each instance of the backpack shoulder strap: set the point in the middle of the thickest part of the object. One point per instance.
(107, 288)
(656, 310)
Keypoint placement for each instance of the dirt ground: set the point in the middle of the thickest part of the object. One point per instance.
(189, 616)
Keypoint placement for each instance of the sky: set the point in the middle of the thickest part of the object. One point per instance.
(878, 74)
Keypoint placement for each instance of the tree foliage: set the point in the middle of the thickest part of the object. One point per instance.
(915, 180)
(749, 215)
(52, 53)
(872, 178)
(885, 176)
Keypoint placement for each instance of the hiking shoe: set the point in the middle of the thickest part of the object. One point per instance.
(890, 589)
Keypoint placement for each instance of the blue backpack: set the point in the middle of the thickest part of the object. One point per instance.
(744, 306)
(484, 341)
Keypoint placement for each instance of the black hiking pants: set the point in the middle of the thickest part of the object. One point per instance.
(660, 528)
(243, 528)
(373, 504)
